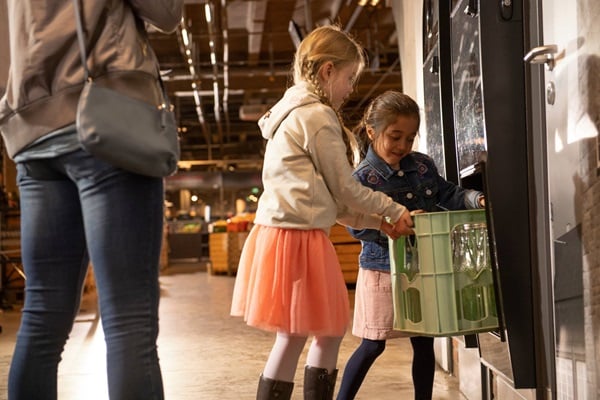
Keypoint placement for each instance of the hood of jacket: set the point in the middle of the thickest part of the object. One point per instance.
(297, 96)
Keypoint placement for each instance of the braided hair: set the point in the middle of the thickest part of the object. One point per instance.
(328, 44)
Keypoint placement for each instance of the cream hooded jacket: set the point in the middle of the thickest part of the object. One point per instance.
(307, 179)
(46, 75)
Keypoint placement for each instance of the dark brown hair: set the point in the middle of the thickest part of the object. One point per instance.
(381, 112)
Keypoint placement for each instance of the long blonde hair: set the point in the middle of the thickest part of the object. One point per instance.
(329, 44)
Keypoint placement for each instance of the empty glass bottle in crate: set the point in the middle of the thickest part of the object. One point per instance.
(470, 258)
(411, 257)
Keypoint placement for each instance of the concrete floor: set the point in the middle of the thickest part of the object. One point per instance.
(205, 353)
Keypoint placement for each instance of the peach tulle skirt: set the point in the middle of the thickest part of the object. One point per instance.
(290, 280)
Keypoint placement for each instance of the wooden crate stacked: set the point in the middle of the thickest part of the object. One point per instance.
(347, 249)
(225, 249)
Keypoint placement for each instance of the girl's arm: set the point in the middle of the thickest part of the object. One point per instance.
(328, 152)
(454, 197)
(368, 235)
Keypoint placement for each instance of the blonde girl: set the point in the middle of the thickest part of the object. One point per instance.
(289, 279)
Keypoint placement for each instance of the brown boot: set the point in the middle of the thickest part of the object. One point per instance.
(318, 383)
(270, 389)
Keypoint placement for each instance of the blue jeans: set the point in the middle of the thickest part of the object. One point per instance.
(75, 208)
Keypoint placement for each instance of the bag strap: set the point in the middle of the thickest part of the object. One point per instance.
(83, 53)
(81, 38)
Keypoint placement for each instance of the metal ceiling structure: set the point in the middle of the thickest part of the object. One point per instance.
(231, 59)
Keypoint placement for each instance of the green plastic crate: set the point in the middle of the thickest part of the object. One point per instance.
(434, 294)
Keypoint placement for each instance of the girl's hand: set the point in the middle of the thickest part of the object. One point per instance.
(388, 229)
(481, 201)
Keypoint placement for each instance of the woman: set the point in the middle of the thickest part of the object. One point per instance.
(74, 207)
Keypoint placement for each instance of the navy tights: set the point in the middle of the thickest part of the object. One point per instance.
(423, 367)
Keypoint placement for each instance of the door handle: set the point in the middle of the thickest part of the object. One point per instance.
(542, 55)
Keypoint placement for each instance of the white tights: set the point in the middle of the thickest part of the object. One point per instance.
(284, 356)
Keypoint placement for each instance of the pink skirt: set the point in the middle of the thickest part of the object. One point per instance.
(290, 281)
(374, 307)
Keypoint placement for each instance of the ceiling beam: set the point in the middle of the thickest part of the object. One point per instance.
(255, 22)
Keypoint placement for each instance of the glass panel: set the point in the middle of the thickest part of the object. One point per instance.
(467, 89)
(433, 113)
(573, 190)
(430, 26)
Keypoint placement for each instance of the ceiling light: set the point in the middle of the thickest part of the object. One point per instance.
(207, 13)
(184, 36)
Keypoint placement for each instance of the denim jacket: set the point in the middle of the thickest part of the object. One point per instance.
(417, 186)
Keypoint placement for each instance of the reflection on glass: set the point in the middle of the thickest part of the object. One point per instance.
(433, 114)
(454, 3)
(430, 25)
(466, 86)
